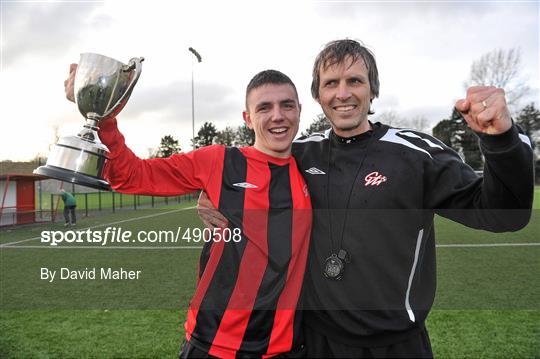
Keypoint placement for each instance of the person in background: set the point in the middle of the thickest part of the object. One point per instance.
(70, 203)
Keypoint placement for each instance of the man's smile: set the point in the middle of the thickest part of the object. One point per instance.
(344, 108)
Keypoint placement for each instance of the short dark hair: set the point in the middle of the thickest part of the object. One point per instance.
(336, 52)
(267, 77)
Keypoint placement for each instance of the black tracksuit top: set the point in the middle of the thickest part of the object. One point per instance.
(376, 197)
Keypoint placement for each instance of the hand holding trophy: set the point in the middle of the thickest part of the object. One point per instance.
(102, 88)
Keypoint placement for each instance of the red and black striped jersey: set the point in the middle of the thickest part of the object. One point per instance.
(248, 289)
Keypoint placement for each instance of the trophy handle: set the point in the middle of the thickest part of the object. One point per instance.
(134, 63)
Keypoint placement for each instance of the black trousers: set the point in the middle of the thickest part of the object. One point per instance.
(70, 210)
(319, 346)
(188, 350)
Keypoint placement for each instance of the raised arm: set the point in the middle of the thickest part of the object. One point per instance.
(177, 174)
(501, 200)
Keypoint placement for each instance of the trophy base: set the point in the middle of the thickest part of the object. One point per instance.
(72, 177)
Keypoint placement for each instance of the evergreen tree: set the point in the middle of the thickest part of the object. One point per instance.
(244, 136)
(206, 135)
(443, 131)
(226, 137)
(168, 146)
(455, 132)
(529, 120)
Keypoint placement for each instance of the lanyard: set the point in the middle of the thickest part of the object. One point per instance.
(335, 264)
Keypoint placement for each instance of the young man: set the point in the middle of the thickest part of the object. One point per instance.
(248, 285)
(370, 280)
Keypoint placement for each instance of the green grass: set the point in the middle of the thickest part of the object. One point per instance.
(486, 305)
(158, 333)
(485, 333)
(91, 333)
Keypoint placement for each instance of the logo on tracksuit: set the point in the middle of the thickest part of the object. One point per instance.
(374, 179)
(315, 171)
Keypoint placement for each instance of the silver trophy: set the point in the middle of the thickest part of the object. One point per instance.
(102, 88)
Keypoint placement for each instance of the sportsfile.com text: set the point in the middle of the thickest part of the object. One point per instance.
(117, 235)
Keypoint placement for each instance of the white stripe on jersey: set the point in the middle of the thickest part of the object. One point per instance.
(411, 276)
(525, 139)
(414, 135)
(315, 137)
(390, 136)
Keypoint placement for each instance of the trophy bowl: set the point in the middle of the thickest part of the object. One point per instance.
(102, 88)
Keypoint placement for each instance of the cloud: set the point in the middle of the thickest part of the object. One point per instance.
(423, 49)
(394, 10)
(43, 30)
(444, 30)
(213, 102)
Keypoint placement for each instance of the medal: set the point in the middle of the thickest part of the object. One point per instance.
(334, 266)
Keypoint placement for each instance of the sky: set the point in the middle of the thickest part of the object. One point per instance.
(424, 51)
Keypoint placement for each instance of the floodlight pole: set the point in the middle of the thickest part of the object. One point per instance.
(199, 59)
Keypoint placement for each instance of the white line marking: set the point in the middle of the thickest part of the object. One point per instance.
(103, 225)
(480, 245)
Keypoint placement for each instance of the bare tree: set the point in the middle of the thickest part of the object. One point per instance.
(152, 152)
(500, 68)
(319, 125)
(56, 136)
(420, 123)
(391, 118)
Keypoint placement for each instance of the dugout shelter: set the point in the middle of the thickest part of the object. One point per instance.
(18, 204)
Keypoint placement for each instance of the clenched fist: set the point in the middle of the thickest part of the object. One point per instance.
(485, 110)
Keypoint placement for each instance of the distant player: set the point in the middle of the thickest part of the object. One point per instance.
(70, 204)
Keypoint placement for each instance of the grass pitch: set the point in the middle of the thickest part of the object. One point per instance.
(486, 304)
